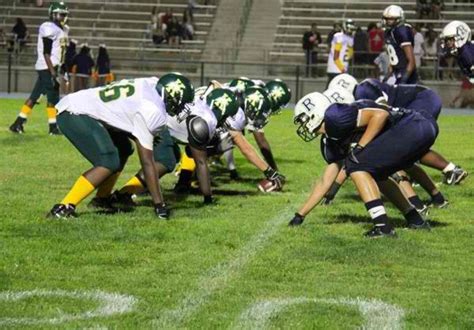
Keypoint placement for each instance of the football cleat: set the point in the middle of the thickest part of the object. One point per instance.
(54, 130)
(122, 199)
(377, 232)
(425, 225)
(423, 211)
(61, 211)
(104, 203)
(455, 176)
(442, 205)
(17, 128)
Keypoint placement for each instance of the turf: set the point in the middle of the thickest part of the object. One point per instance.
(207, 266)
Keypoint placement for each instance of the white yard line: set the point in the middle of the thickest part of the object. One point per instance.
(109, 304)
(219, 277)
(377, 314)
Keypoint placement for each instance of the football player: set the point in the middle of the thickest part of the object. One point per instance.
(456, 39)
(373, 157)
(101, 129)
(280, 96)
(194, 129)
(341, 50)
(399, 41)
(51, 48)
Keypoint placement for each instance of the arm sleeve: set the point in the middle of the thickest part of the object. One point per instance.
(47, 46)
(141, 132)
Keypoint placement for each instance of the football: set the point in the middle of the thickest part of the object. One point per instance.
(266, 186)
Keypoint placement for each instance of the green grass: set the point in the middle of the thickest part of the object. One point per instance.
(212, 264)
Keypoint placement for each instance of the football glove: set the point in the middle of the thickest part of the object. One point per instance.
(328, 198)
(353, 153)
(274, 176)
(55, 81)
(161, 210)
(297, 220)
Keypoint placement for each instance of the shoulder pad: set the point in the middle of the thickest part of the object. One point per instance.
(198, 132)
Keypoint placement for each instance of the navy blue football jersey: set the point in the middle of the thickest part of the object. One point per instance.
(466, 60)
(395, 39)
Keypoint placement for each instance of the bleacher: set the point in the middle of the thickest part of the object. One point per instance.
(297, 16)
(122, 25)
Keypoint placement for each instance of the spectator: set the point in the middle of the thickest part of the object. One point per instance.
(102, 67)
(19, 36)
(432, 46)
(67, 67)
(466, 95)
(436, 7)
(361, 44)
(3, 39)
(83, 64)
(188, 25)
(418, 45)
(376, 40)
(174, 32)
(423, 9)
(335, 29)
(166, 17)
(311, 41)
(157, 34)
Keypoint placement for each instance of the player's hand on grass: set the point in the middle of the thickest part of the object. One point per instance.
(297, 220)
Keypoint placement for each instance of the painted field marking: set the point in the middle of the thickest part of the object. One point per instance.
(110, 304)
(377, 314)
(217, 278)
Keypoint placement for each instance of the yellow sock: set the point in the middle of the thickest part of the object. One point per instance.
(187, 163)
(81, 189)
(133, 186)
(25, 111)
(105, 189)
(51, 111)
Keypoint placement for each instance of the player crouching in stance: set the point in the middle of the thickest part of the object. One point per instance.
(194, 128)
(368, 160)
(456, 39)
(51, 47)
(100, 122)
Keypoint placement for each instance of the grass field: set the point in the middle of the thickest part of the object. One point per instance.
(234, 265)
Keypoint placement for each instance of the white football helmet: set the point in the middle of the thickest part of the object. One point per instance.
(338, 95)
(393, 12)
(309, 114)
(343, 81)
(348, 26)
(457, 30)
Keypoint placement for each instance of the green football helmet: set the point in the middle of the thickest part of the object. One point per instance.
(279, 94)
(176, 91)
(223, 104)
(241, 84)
(58, 12)
(257, 106)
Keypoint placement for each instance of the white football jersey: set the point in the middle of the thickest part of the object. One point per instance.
(346, 44)
(59, 36)
(199, 107)
(132, 106)
(237, 122)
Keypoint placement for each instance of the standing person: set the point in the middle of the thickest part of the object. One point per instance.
(83, 64)
(51, 48)
(100, 122)
(68, 67)
(361, 50)
(174, 32)
(418, 45)
(102, 67)
(400, 43)
(19, 35)
(335, 29)
(456, 40)
(376, 41)
(311, 41)
(341, 50)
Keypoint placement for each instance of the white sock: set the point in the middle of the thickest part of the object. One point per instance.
(229, 158)
(448, 168)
